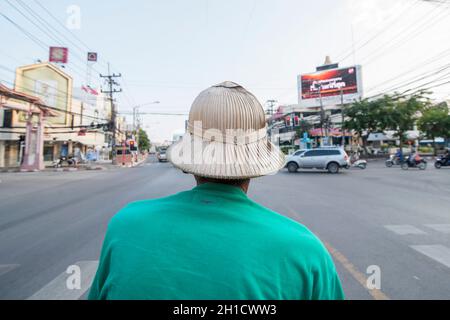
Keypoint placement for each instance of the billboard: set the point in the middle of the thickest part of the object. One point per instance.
(327, 86)
(58, 55)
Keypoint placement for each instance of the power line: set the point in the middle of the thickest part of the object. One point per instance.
(438, 57)
(49, 31)
(365, 43)
(48, 12)
(30, 36)
(62, 110)
(419, 78)
(419, 29)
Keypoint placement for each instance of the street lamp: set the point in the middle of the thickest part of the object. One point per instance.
(136, 115)
(136, 111)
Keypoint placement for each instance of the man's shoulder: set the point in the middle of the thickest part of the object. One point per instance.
(137, 210)
(289, 232)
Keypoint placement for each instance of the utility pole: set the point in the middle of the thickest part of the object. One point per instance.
(110, 80)
(271, 104)
(322, 112)
(137, 117)
(343, 119)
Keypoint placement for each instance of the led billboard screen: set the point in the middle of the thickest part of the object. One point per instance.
(328, 85)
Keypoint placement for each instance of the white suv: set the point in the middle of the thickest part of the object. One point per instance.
(331, 159)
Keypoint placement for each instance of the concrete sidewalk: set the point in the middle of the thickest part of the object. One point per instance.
(98, 165)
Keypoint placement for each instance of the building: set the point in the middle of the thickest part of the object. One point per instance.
(80, 121)
(22, 145)
(294, 126)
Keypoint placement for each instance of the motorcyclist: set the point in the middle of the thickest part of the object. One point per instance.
(412, 157)
(446, 155)
(399, 154)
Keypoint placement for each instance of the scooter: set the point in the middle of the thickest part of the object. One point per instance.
(71, 161)
(442, 161)
(393, 161)
(421, 164)
(59, 162)
(357, 163)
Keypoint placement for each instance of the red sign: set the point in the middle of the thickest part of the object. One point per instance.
(92, 56)
(59, 54)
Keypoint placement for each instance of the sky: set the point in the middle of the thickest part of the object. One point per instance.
(169, 50)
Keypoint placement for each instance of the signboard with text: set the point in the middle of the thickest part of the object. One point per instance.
(329, 86)
(59, 55)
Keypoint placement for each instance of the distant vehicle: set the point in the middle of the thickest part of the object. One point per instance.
(71, 161)
(442, 161)
(331, 159)
(161, 155)
(393, 161)
(417, 162)
(356, 162)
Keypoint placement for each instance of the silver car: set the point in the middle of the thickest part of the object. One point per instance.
(331, 159)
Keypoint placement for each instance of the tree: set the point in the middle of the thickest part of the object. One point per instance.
(143, 140)
(435, 122)
(304, 126)
(367, 116)
(403, 114)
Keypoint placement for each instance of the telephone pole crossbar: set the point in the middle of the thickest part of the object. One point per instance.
(111, 82)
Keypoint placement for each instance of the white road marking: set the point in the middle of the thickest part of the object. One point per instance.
(5, 268)
(404, 229)
(436, 252)
(444, 228)
(57, 288)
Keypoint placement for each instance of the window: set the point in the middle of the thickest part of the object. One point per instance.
(312, 153)
(7, 119)
(299, 153)
(48, 153)
(319, 153)
(330, 152)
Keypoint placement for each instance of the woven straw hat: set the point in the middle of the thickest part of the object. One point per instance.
(226, 137)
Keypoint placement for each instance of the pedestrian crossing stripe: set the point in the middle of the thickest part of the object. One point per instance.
(436, 252)
(444, 228)
(404, 229)
(67, 286)
(5, 268)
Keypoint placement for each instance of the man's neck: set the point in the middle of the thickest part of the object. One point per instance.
(241, 184)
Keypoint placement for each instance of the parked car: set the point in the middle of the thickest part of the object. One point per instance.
(331, 159)
(161, 155)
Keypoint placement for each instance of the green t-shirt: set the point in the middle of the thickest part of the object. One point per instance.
(211, 242)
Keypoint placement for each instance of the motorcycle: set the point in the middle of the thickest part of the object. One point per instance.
(393, 161)
(59, 162)
(357, 163)
(416, 163)
(442, 161)
(71, 161)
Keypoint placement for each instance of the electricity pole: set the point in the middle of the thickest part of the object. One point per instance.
(110, 80)
(343, 119)
(322, 113)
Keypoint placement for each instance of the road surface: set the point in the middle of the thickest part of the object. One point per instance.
(387, 220)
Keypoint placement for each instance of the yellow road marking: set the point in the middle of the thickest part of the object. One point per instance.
(360, 277)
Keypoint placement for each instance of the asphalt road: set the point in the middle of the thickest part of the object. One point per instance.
(397, 221)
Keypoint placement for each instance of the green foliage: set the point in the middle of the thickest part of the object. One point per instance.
(304, 126)
(435, 122)
(143, 140)
(404, 113)
(366, 117)
(386, 113)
